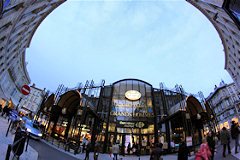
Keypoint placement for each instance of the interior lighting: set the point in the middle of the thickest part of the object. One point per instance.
(79, 112)
(64, 110)
(133, 95)
(198, 116)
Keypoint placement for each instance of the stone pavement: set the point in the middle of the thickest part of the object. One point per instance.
(107, 156)
(235, 155)
(31, 154)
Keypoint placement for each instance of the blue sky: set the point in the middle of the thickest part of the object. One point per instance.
(155, 41)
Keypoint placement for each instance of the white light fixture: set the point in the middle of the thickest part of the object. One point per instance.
(133, 95)
(64, 110)
(79, 112)
(198, 116)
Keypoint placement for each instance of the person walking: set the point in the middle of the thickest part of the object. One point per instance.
(88, 149)
(225, 141)
(183, 150)
(156, 152)
(205, 150)
(129, 148)
(199, 155)
(235, 135)
(5, 108)
(115, 150)
(0, 108)
(96, 150)
(84, 141)
(211, 143)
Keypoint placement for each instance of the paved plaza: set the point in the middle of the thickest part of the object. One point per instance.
(32, 154)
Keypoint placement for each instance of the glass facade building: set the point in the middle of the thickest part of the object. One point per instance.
(128, 112)
(131, 118)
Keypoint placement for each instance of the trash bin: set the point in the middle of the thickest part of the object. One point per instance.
(19, 142)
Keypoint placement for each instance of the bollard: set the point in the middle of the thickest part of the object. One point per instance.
(8, 128)
(19, 142)
(27, 142)
(8, 152)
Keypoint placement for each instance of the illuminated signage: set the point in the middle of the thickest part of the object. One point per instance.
(133, 95)
(130, 114)
(132, 124)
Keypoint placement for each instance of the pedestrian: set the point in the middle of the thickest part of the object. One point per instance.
(96, 150)
(156, 152)
(84, 141)
(205, 150)
(88, 149)
(134, 148)
(235, 135)
(5, 108)
(211, 143)
(199, 154)
(225, 141)
(115, 150)
(129, 148)
(0, 107)
(183, 150)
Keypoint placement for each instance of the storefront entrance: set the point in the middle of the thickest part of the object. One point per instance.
(134, 142)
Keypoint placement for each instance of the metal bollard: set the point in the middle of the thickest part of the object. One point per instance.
(19, 142)
(8, 152)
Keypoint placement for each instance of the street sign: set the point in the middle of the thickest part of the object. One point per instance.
(189, 141)
(13, 115)
(13, 118)
(25, 90)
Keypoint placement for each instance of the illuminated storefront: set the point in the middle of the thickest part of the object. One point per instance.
(129, 112)
(131, 117)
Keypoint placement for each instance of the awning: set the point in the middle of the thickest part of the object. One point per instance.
(24, 111)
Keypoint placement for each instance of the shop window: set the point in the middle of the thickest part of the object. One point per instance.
(234, 99)
(224, 93)
(231, 112)
(228, 102)
(219, 110)
(222, 106)
(221, 117)
(215, 109)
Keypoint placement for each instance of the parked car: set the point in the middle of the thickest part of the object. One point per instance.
(32, 128)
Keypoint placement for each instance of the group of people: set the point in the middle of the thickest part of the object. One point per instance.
(135, 148)
(225, 138)
(207, 149)
(5, 110)
(87, 146)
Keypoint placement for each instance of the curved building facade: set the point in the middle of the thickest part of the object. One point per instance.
(19, 20)
(225, 17)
